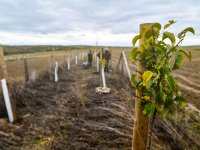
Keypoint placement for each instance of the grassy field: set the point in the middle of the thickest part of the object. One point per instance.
(39, 60)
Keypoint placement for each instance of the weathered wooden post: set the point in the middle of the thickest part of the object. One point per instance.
(4, 77)
(26, 72)
(122, 67)
(4, 73)
(111, 60)
(126, 64)
(52, 58)
(141, 121)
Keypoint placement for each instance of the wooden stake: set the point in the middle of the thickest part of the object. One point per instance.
(26, 72)
(52, 59)
(4, 75)
(141, 121)
(126, 64)
(117, 68)
(122, 68)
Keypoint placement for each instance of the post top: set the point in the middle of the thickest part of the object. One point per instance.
(145, 24)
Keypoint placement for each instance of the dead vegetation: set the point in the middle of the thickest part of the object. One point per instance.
(70, 115)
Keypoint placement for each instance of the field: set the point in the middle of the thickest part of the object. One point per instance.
(70, 115)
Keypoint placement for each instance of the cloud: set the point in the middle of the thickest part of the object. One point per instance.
(103, 20)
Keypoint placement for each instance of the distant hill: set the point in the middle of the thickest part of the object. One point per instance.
(9, 50)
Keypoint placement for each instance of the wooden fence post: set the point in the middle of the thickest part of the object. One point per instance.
(26, 72)
(118, 64)
(4, 75)
(126, 64)
(141, 121)
(53, 57)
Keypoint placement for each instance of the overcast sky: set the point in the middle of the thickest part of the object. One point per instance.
(83, 22)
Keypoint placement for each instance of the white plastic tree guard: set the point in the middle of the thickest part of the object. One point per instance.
(104, 89)
(68, 63)
(7, 100)
(56, 72)
(103, 77)
(76, 59)
(98, 64)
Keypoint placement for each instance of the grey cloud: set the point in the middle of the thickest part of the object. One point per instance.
(117, 17)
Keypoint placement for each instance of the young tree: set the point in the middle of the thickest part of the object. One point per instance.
(156, 89)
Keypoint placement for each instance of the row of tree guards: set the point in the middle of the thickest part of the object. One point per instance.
(141, 121)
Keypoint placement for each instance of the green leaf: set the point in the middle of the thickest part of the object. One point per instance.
(181, 104)
(171, 82)
(182, 33)
(169, 24)
(160, 48)
(134, 54)
(179, 59)
(135, 80)
(180, 99)
(189, 55)
(160, 96)
(135, 39)
(149, 109)
(165, 71)
(157, 25)
(149, 56)
(156, 29)
(169, 101)
(170, 36)
(149, 84)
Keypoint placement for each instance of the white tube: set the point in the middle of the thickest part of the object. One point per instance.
(7, 100)
(98, 64)
(56, 72)
(103, 77)
(76, 59)
(68, 63)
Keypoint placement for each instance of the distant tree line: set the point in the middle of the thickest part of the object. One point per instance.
(10, 50)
